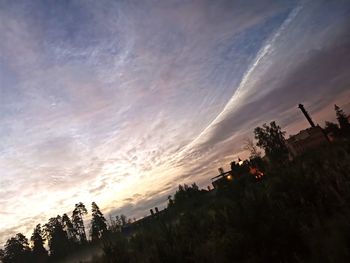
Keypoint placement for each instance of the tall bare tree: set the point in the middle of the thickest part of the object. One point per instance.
(250, 146)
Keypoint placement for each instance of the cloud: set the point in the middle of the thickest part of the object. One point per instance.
(103, 101)
(284, 73)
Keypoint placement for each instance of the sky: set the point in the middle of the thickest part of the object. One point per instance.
(119, 102)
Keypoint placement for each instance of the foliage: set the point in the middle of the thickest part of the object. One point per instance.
(39, 253)
(342, 120)
(331, 128)
(98, 223)
(17, 250)
(57, 238)
(78, 222)
(298, 213)
(185, 195)
(69, 228)
(271, 139)
(122, 219)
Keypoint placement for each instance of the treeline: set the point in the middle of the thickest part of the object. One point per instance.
(298, 212)
(342, 129)
(64, 235)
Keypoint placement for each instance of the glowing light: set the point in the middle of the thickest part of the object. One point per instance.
(229, 177)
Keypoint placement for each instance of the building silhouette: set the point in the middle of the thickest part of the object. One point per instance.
(306, 139)
(306, 114)
(222, 179)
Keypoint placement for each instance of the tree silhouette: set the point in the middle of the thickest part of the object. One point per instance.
(119, 221)
(185, 194)
(342, 120)
(123, 219)
(249, 145)
(170, 201)
(78, 222)
(271, 139)
(57, 238)
(69, 228)
(98, 223)
(38, 251)
(2, 254)
(299, 213)
(331, 129)
(17, 250)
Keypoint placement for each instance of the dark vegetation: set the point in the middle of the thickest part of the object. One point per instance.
(298, 212)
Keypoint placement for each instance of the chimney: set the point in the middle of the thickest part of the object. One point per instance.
(152, 213)
(156, 208)
(307, 116)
